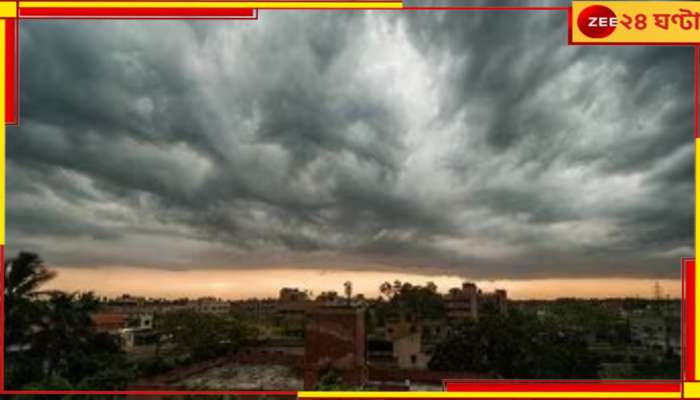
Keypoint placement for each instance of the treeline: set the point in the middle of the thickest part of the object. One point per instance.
(51, 341)
(516, 347)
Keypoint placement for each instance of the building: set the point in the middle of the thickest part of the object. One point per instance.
(109, 322)
(380, 352)
(133, 329)
(406, 343)
(291, 311)
(469, 301)
(461, 303)
(211, 305)
(127, 300)
(140, 321)
(292, 295)
(335, 341)
(330, 298)
(254, 309)
(138, 332)
(498, 301)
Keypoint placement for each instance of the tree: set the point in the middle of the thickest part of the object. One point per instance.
(65, 326)
(331, 381)
(515, 346)
(24, 275)
(53, 342)
(66, 342)
(423, 302)
(202, 335)
(668, 367)
(463, 350)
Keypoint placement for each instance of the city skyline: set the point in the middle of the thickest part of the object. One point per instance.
(235, 285)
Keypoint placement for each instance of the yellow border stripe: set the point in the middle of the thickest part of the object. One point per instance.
(691, 389)
(209, 4)
(8, 9)
(543, 395)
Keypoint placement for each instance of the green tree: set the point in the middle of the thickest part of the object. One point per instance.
(515, 346)
(424, 302)
(668, 367)
(331, 381)
(70, 349)
(202, 335)
(52, 341)
(463, 350)
(65, 326)
(24, 275)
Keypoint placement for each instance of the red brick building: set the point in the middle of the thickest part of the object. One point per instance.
(109, 322)
(335, 340)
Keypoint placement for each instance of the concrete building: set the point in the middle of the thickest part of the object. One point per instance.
(140, 321)
(292, 295)
(410, 341)
(138, 332)
(211, 305)
(461, 303)
(133, 329)
(291, 310)
(330, 298)
(498, 300)
(255, 309)
(408, 352)
(469, 301)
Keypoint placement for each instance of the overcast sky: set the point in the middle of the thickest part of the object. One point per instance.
(467, 143)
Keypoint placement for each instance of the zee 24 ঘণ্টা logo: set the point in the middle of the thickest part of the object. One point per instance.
(599, 21)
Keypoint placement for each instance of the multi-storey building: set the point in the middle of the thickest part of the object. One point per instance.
(469, 301)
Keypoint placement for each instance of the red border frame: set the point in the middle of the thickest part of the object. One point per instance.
(11, 68)
(688, 270)
(632, 385)
(137, 13)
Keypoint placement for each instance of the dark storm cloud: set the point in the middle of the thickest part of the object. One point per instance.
(649, 118)
(454, 142)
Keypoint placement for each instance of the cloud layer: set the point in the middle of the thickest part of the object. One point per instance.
(467, 143)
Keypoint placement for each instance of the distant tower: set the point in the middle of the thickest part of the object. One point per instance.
(348, 290)
(657, 291)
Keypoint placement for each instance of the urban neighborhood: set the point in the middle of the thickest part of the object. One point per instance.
(409, 337)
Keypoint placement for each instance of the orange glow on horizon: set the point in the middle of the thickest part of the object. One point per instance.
(261, 283)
